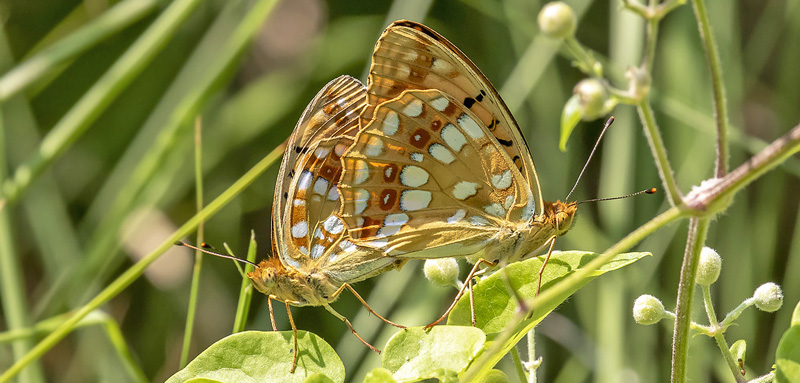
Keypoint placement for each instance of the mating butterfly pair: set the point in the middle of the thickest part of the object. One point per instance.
(424, 162)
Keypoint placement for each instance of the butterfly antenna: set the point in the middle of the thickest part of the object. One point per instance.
(207, 251)
(594, 149)
(646, 191)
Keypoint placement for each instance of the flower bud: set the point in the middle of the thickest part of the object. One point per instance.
(648, 310)
(556, 20)
(592, 96)
(442, 271)
(768, 297)
(708, 267)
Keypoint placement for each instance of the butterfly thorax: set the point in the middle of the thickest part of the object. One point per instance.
(290, 285)
(526, 239)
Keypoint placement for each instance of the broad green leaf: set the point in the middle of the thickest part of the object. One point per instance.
(202, 380)
(255, 356)
(570, 116)
(796, 315)
(495, 307)
(318, 378)
(379, 375)
(494, 376)
(787, 357)
(443, 351)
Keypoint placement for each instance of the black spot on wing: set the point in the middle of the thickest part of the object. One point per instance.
(508, 143)
(469, 102)
(480, 96)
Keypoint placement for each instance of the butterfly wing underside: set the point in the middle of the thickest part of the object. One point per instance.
(426, 178)
(307, 233)
(410, 55)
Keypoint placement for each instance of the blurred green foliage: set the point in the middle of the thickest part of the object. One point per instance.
(63, 217)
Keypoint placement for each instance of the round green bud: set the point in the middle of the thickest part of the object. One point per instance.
(768, 297)
(556, 20)
(442, 271)
(709, 266)
(648, 310)
(592, 97)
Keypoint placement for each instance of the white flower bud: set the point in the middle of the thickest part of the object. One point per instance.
(442, 271)
(769, 297)
(557, 20)
(648, 310)
(709, 266)
(592, 96)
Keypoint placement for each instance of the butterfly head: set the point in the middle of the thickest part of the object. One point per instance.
(560, 215)
(272, 278)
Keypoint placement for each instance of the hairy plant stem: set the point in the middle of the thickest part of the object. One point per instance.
(719, 335)
(720, 103)
(659, 151)
(696, 237)
(532, 367)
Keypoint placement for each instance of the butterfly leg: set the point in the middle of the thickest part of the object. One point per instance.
(271, 314)
(350, 326)
(552, 241)
(363, 302)
(461, 291)
(294, 333)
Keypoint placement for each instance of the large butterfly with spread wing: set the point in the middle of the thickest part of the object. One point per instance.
(440, 167)
(313, 257)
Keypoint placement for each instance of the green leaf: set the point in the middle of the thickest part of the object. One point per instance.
(379, 375)
(738, 350)
(495, 307)
(787, 357)
(255, 356)
(442, 352)
(570, 116)
(318, 378)
(796, 315)
(202, 380)
(494, 376)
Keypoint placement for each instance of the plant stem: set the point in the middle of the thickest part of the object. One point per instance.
(138, 268)
(659, 151)
(198, 255)
(736, 312)
(246, 289)
(720, 103)
(698, 227)
(532, 356)
(719, 335)
(518, 367)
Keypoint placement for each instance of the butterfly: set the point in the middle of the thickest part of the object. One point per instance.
(440, 167)
(313, 257)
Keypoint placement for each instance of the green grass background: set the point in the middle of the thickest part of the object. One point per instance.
(66, 250)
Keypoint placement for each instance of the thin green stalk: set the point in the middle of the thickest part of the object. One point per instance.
(659, 151)
(246, 289)
(198, 255)
(518, 367)
(650, 44)
(698, 228)
(719, 335)
(505, 340)
(720, 103)
(135, 271)
(12, 290)
(99, 96)
(107, 24)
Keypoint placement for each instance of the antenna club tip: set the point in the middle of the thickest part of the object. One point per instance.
(651, 191)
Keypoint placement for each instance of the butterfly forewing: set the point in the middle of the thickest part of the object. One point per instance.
(425, 177)
(410, 55)
(305, 216)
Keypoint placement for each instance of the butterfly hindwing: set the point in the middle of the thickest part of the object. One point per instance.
(305, 216)
(410, 55)
(426, 178)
